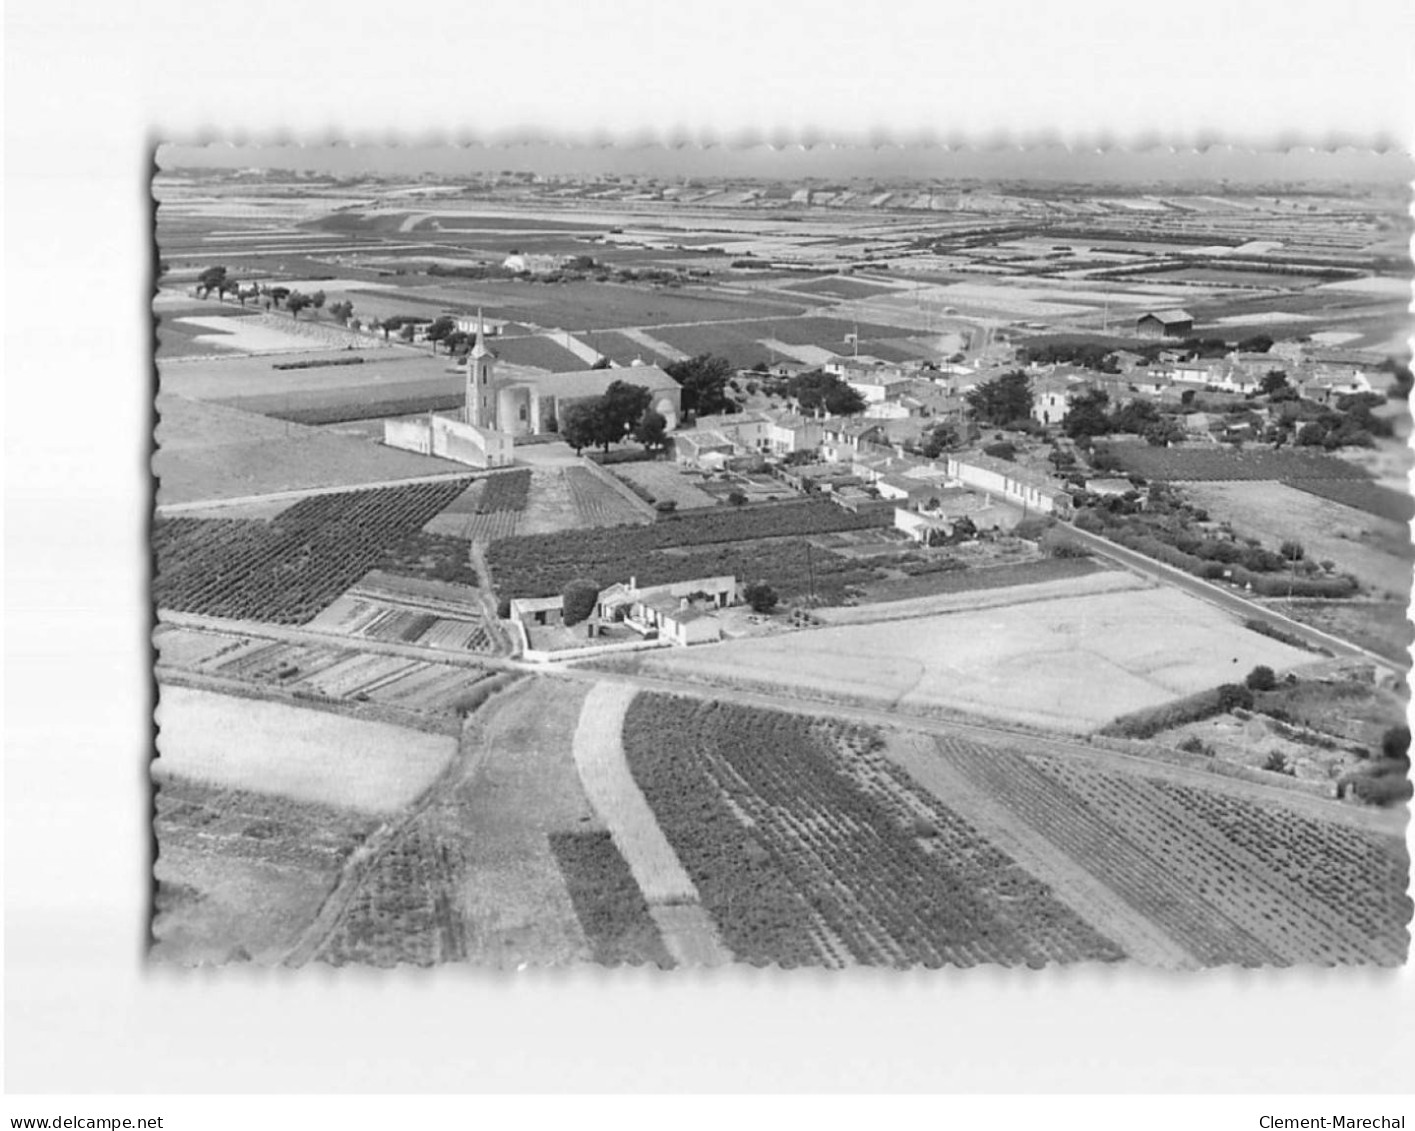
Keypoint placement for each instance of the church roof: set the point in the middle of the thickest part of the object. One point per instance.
(595, 382)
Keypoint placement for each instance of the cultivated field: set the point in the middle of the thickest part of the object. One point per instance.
(416, 692)
(1225, 878)
(1068, 663)
(406, 611)
(808, 848)
(662, 481)
(310, 756)
(1376, 551)
(289, 569)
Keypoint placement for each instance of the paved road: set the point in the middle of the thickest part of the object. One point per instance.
(1226, 599)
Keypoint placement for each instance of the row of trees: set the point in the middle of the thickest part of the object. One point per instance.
(219, 280)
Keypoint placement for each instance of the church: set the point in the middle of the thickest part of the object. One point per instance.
(496, 411)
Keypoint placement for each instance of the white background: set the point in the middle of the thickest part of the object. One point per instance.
(90, 86)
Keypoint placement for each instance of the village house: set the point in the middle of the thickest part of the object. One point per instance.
(1027, 489)
(843, 436)
(680, 611)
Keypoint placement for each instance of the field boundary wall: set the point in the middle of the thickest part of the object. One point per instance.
(621, 487)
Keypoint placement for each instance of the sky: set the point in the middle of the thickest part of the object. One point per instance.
(1042, 162)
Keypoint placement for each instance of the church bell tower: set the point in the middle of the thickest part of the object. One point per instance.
(481, 396)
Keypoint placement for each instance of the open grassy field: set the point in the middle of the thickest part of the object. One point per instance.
(1383, 627)
(1376, 551)
(207, 451)
(1070, 663)
(311, 756)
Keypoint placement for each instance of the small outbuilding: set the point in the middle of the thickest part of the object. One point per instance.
(1165, 324)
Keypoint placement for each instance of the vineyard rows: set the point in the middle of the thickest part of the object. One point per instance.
(688, 546)
(1178, 464)
(1230, 881)
(289, 569)
(403, 910)
(807, 847)
(321, 670)
(608, 903)
(596, 503)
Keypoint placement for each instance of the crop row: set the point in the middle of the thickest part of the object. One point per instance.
(805, 846)
(1224, 464)
(505, 491)
(1143, 879)
(1364, 495)
(403, 910)
(608, 903)
(1236, 881)
(596, 503)
(685, 547)
(289, 569)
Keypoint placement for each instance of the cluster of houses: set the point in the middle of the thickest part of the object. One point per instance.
(681, 613)
(1316, 374)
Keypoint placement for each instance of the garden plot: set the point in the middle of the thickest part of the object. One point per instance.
(1070, 663)
(664, 482)
(428, 690)
(409, 612)
(307, 755)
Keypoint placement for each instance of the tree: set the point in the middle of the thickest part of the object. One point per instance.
(618, 412)
(761, 597)
(1135, 417)
(736, 498)
(1087, 416)
(317, 300)
(1258, 343)
(1311, 434)
(704, 382)
(1292, 550)
(440, 329)
(226, 286)
(580, 597)
(296, 302)
(342, 311)
(939, 439)
(819, 391)
(1261, 678)
(1001, 450)
(210, 279)
(1274, 381)
(577, 427)
(407, 331)
(1003, 400)
(1162, 432)
(652, 431)
(602, 362)
(1234, 695)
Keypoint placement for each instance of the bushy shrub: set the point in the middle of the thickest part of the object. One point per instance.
(580, 596)
(1233, 696)
(1055, 543)
(1261, 678)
